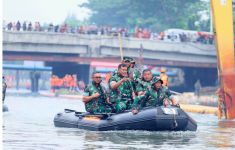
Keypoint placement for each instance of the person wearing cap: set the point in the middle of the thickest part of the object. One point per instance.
(133, 72)
(131, 61)
(158, 95)
(121, 90)
(95, 96)
(164, 76)
(128, 61)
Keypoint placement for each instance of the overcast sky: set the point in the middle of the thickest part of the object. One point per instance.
(42, 10)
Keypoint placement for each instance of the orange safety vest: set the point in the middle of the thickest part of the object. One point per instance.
(164, 78)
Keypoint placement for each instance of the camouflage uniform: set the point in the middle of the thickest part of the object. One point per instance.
(121, 98)
(130, 60)
(134, 75)
(143, 85)
(97, 105)
(152, 97)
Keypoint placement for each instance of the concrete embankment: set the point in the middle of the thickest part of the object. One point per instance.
(199, 109)
(205, 104)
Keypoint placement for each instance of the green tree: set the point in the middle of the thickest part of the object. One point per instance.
(71, 20)
(157, 15)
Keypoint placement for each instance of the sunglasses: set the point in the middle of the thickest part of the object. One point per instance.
(97, 77)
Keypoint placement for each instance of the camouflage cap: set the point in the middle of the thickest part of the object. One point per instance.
(156, 79)
(128, 59)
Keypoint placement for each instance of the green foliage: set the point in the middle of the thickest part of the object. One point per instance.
(71, 20)
(157, 15)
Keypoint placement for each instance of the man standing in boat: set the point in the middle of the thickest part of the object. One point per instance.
(133, 72)
(121, 89)
(95, 96)
(158, 95)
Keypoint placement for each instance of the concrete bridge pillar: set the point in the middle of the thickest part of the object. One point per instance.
(94, 48)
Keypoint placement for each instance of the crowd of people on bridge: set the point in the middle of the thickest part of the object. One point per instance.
(129, 89)
(137, 32)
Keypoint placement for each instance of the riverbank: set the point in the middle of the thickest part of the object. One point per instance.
(205, 104)
(199, 109)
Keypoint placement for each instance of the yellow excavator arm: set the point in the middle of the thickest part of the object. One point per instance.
(224, 39)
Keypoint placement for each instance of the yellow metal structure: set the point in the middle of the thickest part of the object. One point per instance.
(223, 31)
(120, 45)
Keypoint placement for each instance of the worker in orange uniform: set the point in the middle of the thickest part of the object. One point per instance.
(164, 76)
(53, 84)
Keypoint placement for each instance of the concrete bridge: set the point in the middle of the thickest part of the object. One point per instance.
(86, 48)
(72, 53)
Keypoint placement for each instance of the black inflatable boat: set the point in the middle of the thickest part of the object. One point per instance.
(4, 108)
(150, 119)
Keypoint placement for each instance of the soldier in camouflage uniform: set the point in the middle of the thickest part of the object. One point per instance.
(129, 62)
(121, 90)
(144, 84)
(133, 72)
(95, 96)
(158, 95)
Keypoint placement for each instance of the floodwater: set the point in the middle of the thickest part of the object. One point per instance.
(29, 125)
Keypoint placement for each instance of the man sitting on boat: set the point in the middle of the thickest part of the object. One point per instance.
(121, 89)
(158, 95)
(145, 83)
(95, 96)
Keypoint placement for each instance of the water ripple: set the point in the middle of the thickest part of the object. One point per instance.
(29, 125)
